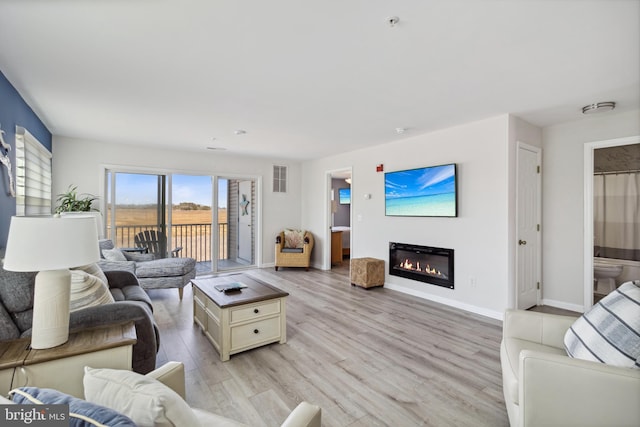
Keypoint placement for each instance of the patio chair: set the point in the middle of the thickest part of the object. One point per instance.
(155, 242)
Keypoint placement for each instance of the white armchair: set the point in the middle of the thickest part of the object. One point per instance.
(172, 375)
(145, 402)
(544, 387)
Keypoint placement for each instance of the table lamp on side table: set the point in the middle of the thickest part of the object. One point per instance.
(50, 245)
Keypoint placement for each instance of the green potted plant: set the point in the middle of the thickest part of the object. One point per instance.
(71, 201)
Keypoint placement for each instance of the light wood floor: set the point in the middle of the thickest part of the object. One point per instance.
(372, 357)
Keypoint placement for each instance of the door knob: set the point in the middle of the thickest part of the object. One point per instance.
(522, 242)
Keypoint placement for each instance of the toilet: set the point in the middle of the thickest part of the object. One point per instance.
(605, 275)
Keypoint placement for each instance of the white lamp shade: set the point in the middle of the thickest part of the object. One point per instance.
(94, 214)
(51, 243)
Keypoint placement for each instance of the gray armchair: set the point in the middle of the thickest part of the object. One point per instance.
(152, 273)
(131, 304)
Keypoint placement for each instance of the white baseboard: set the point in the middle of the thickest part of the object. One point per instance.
(563, 305)
(446, 301)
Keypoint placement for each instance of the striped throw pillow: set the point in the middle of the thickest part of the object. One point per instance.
(87, 290)
(94, 270)
(610, 332)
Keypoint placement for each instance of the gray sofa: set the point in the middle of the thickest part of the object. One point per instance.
(131, 304)
(161, 273)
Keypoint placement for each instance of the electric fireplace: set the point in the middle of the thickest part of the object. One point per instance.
(423, 263)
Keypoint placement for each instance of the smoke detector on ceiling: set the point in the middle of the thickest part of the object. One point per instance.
(599, 107)
(392, 21)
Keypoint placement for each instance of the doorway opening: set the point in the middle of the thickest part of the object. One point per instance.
(593, 242)
(236, 208)
(338, 252)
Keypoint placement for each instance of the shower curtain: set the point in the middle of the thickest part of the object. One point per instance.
(617, 215)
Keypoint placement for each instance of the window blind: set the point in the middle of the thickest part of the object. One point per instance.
(33, 175)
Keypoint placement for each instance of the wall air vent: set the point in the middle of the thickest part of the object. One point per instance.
(279, 179)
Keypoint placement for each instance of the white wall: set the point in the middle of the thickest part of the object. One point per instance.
(482, 235)
(563, 201)
(81, 163)
(479, 235)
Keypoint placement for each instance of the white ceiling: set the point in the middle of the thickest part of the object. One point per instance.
(307, 79)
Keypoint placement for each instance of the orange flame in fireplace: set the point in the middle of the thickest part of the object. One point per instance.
(408, 265)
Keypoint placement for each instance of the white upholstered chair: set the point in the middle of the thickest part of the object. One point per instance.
(543, 386)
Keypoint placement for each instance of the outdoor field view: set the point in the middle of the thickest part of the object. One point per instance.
(136, 210)
(191, 228)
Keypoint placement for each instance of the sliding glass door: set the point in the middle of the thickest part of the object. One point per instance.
(135, 203)
(192, 218)
(216, 228)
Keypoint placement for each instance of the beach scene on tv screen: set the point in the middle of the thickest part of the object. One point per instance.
(345, 196)
(429, 191)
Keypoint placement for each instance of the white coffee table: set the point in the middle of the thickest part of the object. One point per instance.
(241, 320)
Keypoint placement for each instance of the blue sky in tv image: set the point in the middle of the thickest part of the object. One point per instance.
(428, 191)
(344, 195)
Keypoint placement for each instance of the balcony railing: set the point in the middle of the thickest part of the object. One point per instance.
(195, 239)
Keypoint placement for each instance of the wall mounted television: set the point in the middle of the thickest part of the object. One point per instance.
(427, 191)
(344, 196)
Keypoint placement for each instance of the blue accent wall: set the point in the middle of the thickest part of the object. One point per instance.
(14, 111)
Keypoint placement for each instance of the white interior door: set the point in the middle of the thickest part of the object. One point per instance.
(245, 224)
(528, 203)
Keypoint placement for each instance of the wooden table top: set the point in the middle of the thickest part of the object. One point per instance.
(256, 290)
(19, 352)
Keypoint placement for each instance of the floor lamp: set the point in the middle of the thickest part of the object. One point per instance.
(51, 245)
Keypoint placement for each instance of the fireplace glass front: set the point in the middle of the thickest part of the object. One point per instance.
(423, 263)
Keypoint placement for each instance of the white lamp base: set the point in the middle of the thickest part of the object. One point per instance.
(51, 309)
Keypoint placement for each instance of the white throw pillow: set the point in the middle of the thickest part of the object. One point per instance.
(610, 331)
(113, 255)
(145, 400)
(87, 291)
